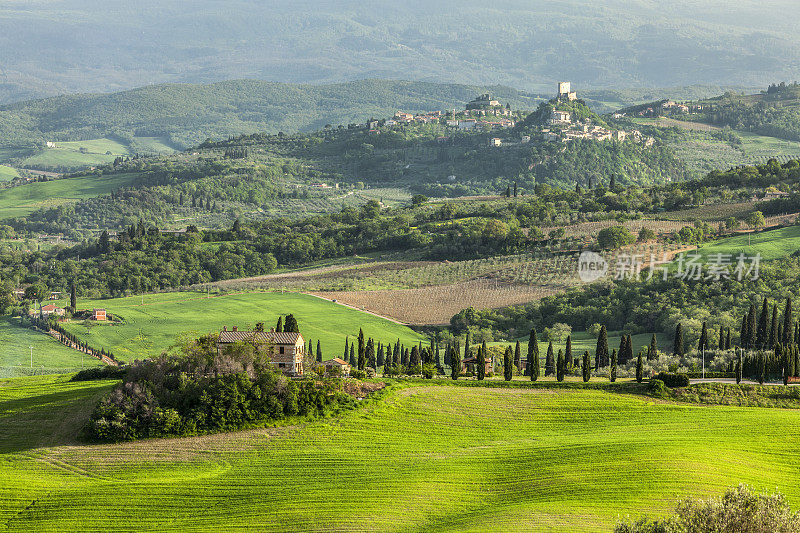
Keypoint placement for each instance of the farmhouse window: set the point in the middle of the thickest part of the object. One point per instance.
(281, 349)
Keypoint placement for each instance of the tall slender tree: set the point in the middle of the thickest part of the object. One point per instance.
(788, 323)
(773, 329)
(508, 368)
(738, 366)
(587, 370)
(481, 363)
(677, 344)
(639, 368)
(762, 333)
(353, 362)
(752, 326)
(549, 363)
(455, 364)
(601, 351)
(319, 352)
(362, 360)
(346, 347)
(381, 356)
(279, 325)
(568, 353)
(743, 334)
(728, 339)
(73, 297)
(652, 350)
(290, 325)
(612, 375)
(703, 342)
(517, 357)
(533, 356)
(721, 345)
(414, 360)
(560, 366)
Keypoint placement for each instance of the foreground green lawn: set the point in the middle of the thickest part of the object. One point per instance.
(49, 356)
(25, 199)
(154, 326)
(423, 458)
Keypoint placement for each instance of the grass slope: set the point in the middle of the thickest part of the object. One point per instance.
(151, 328)
(49, 356)
(772, 244)
(25, 199)
(427, 458)
(8, 173)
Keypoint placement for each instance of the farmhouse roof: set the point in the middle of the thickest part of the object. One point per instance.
(284, 337)
(336, 360)
(49, 307)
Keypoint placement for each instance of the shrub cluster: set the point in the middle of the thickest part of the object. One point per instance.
(673, 380)
(203, 391)
(100, 372)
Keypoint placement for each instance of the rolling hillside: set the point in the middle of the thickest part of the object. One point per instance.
(422, 458)
(153, 323)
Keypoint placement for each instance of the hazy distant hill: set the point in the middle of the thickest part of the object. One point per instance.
(47, 48)
(188, 114)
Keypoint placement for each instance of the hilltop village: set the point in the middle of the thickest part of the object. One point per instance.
(564, 118)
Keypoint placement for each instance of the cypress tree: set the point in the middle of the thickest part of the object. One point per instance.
(739, 367)
(601, 352)
(612, 376)
(788, 323)
(743, 332)
(381, 357)
(773, 329)
(279, 325)
(310, 349)
(362, 360)
(587, 372)
(405, 356)
(353, 362)
(780, 333)
(623, 341)
(372, 362)
(485, 354)
(785, 366)
(467, 341)
(751, 327)
(728, 339)
(73, 297)
(508, 371)
(319, 352)
(481, 364)
(639, 368)
(455, 364)
(677, 345)
(629, 348)
(796, 360)
(290, 324)
(762, 367)
(721, 345)
(568, 353)
(560, 366)
(549, 362)
(346, 347)
(762, 333)
(652, 350)
(703, 343)
(533, 356)
(415, 359)
(517, 357)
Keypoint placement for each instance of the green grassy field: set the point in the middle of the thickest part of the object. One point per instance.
(772, 244)
(49, 356)
(423, 458)
(153, 327)
(25, 199)
(8, 173)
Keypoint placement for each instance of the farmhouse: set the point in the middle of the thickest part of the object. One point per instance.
(771, 193)
(285, 349)
(470, 363)
(99, 315)
(48, 310)
(337, 366)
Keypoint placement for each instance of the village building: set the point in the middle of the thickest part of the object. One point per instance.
(285, 349)
(560, 117)
(495, 141)
(483, 102)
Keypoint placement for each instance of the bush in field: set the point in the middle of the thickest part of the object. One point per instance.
(202, 391)
(739, 510)
(673, 380)
(614, 237)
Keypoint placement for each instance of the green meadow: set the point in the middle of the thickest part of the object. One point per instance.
(25, 199)
(425, 457)
(772, 244)
(153, 323)
(8, 173)
(49, 356)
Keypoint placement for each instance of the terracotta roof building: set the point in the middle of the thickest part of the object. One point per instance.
(286, 350)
